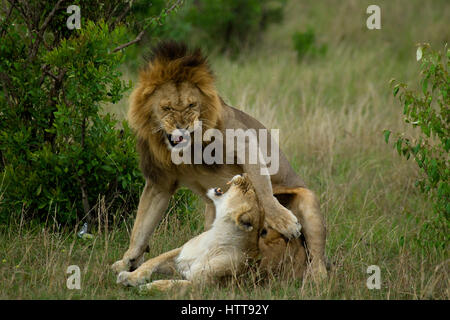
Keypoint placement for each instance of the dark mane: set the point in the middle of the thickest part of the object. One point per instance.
(168, 51)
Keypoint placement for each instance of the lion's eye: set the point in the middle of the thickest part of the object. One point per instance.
(166, 108)
(191, 105)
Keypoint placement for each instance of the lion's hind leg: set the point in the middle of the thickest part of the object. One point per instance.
(305, 205)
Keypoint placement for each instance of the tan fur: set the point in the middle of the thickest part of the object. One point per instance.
(181, 80)
(281, 256)
(222, 251)
(305, 205)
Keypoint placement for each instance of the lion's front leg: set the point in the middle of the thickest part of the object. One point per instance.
(152, 205)
(277, 216)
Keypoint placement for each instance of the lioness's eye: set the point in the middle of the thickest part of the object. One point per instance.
(247, 224)
(166, 108)
(191, 105)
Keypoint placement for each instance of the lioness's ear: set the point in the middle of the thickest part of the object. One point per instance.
(242, 218)
(244, 222)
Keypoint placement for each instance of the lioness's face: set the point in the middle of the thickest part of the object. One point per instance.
(239, 204)
(176, 107)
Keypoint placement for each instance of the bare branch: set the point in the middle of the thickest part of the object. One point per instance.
(122, 15)
(57, 78)
(54, 92)
(112, 6)
(25, 16)
(82, 180)
(41, 31)
(6, 22)
(137, 39)
(50, 16)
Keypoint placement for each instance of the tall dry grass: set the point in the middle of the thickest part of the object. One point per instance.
(331, 112)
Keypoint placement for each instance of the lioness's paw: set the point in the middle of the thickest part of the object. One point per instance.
(122, 278)
(164, 285)
(285, 222)
(154, 286)
(120, 266)
(129, 279)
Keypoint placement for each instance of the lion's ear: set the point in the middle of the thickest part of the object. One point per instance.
(148, 91)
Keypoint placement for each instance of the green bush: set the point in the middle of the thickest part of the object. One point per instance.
(225, 26)
(429, 110)
(229, 24)
(305, 44)
(59, 152)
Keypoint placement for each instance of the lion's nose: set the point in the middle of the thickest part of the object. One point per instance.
(182, 127)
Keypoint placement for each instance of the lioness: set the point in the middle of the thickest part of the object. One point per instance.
(175, 91)
(221, 251)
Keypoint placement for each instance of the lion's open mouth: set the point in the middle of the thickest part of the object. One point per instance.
(174, 140)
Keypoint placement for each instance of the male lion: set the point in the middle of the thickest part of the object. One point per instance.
(223, 250)
(281, 257)
(175, 90)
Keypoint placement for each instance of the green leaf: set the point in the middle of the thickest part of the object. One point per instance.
(399, 146)
(396, 90)
(39, 190)
(387, 134)
(424, 86)
(107, 168)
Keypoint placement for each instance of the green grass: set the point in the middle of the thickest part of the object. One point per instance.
(331, 112)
